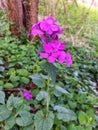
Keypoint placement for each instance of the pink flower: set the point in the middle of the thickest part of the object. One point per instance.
(27, 95)
(55, 52)
(46, 29)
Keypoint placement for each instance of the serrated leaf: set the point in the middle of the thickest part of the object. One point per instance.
(25, 80)
(4, 113)
(38, 80)
(42, 95)
(51, 70)
(65, 114)
(25, 119)
(22, 108)
(13, 102)
(82, 117)
(10, 122)
(23, 72)
(2, 97)
(14, 78)
(8, 85)
(43, 122)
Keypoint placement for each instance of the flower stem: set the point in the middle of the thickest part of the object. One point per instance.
(48, 98)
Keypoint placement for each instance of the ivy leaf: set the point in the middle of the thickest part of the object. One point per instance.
(82, 117)
(2, 97)
(42, 95)
(25, 118)
(65, 114)
(38, 80)
(10, 122)
(51, 70)
(43, 122)
(4, 113)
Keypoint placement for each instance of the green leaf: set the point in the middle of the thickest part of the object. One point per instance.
(51, 70)
(42, 95)
(8, 85)
(1, 63)
(96, 118)
(65, 114)
(2, 97)
(14, 78)
(63, 127)
(59, 90)
(14, 102)
(72, 127)
(25, 118)
(38, 80)
(25, 80)
(0, 88)
(30, 127)
(82, 117)
(1, 82)
(43, 122)
(10, 122)
(4, 113)
(23, 72)
(2, 68)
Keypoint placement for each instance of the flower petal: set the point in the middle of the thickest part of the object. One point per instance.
(61, 58)
(44, 55)
(62, 46)
(47, 48)
(44, 26)
(51, 59)
(50, 20)
(54, 27)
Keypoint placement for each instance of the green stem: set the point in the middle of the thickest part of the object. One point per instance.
(48, 99)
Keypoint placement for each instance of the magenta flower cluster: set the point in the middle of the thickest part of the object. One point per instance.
(53, 51)
(46, 29)
(26, 94)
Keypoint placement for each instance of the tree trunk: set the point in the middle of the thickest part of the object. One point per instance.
(33, 12)
(15, 15)
(23, 13)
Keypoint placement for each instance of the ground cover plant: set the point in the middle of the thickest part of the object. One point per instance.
(40, 93)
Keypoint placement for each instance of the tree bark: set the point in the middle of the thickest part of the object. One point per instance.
(33, 12)
(23, 13)
(15, 15)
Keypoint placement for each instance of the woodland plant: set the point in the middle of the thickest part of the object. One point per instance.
(49, 94)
